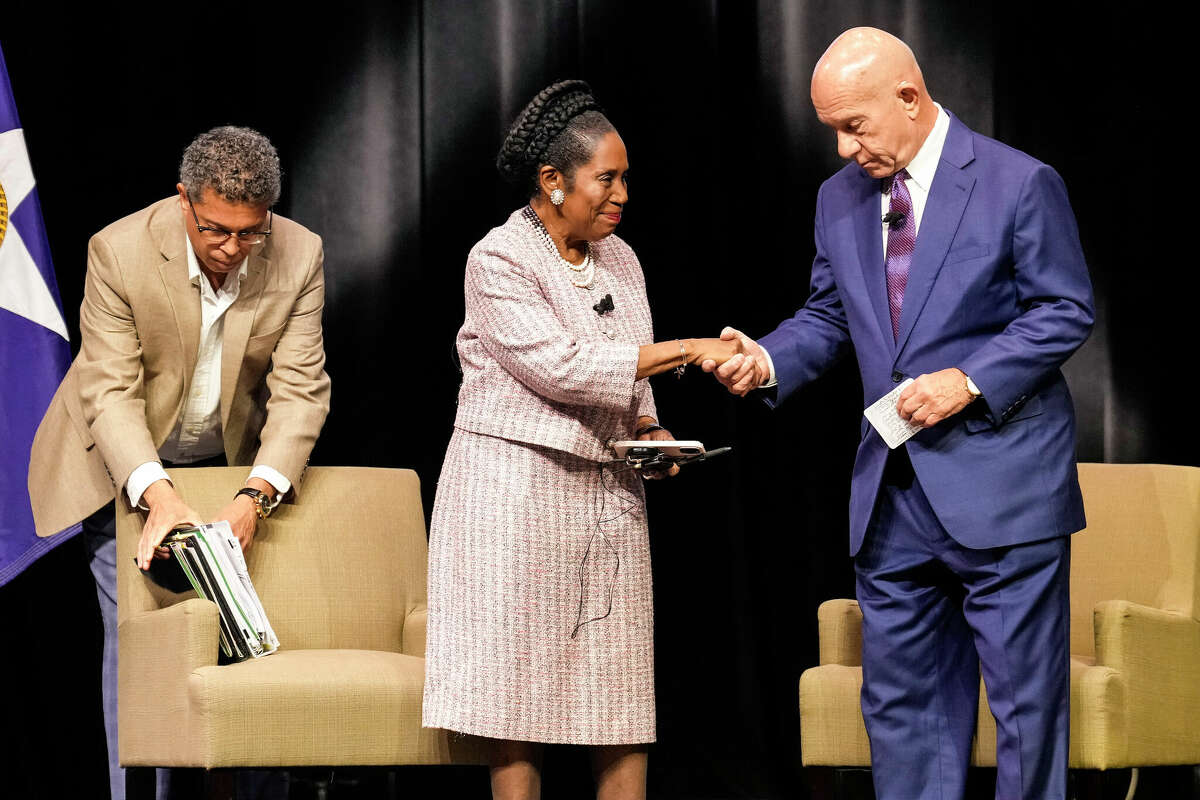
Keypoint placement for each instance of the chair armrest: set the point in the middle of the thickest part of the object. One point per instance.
(158, 651)
(413, 636)
(1157, 655)
(839, 631)
(166, 644)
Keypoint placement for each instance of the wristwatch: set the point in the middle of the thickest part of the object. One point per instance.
(972, 389)
(263, 505)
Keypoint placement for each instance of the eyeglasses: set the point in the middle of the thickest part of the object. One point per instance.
(218, 236)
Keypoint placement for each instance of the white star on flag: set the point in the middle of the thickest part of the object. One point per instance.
(22, 289)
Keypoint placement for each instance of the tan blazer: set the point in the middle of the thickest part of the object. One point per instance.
(140, 329)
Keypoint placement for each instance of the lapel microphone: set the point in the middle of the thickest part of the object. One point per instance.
(604, 306)
(893, 219)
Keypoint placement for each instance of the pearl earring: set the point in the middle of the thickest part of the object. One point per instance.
(557, 197)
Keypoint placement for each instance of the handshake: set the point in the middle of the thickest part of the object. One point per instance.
(736, 361)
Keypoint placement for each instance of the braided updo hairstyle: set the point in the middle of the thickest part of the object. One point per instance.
(560, 127)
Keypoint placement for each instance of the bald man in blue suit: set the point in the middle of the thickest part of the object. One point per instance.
(960, 536)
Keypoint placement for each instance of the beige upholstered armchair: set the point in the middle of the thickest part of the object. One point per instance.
(341, 575)
(1135, 635)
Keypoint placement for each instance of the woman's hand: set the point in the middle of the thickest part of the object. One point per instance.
(660, 357)
(717, 351)
(659, 434)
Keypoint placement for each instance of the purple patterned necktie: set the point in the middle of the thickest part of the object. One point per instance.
(901, 238)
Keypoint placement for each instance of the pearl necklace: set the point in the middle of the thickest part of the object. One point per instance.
(583, 276)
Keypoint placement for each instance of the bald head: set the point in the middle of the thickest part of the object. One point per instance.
(868, 59)
(868, 87)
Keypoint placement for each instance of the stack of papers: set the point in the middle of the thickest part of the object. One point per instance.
(892, 428)
(211, 557)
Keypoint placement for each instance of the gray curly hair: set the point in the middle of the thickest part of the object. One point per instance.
(239, 164)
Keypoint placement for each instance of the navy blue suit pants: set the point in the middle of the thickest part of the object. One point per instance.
(934, 614)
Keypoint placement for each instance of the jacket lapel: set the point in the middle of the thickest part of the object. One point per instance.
(943, 213)
(868, 233)
(238, 322)
(182, 295)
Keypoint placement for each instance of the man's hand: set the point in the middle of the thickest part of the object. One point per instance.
(167, 511)
(242, 514)
(932, 398)
(742, 373)
(242, 518)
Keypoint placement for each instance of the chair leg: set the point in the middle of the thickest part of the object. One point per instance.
(853, 783)
(839, 783)
(219, 784)
(820, 783)
(1095, 784)
(139, 783)
(1177, 782)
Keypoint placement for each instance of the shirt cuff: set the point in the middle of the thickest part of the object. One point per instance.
(276, 479)
(140, 480)
(771, 364)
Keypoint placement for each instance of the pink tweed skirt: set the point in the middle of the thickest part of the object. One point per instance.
(527, 547)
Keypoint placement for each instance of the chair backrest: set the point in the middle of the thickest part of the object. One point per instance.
(1142, 542)
(341, 568)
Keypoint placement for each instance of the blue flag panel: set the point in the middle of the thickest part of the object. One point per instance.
(34, 351)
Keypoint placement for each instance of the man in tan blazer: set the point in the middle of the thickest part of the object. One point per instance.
(201, 344)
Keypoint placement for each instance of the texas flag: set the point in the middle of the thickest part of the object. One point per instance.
(34, 347)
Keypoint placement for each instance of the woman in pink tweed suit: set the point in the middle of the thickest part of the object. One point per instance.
(540, 606)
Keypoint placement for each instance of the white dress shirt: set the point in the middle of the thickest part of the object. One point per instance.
(920, 173)
(197, 432)
(920, 177)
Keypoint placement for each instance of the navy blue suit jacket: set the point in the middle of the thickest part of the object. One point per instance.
(998, 287)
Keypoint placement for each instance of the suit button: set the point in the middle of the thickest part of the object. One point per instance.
(897, 376)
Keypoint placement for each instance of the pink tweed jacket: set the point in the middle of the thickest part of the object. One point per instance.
(540, 366)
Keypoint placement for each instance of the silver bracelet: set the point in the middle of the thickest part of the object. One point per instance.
(683, 360)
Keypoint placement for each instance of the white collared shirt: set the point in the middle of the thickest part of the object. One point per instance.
(197, 433)
(920, 173)
(920, 177)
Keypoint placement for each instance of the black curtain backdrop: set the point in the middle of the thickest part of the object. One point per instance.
(388, 117)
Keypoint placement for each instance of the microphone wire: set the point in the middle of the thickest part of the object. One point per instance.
(624, 508)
